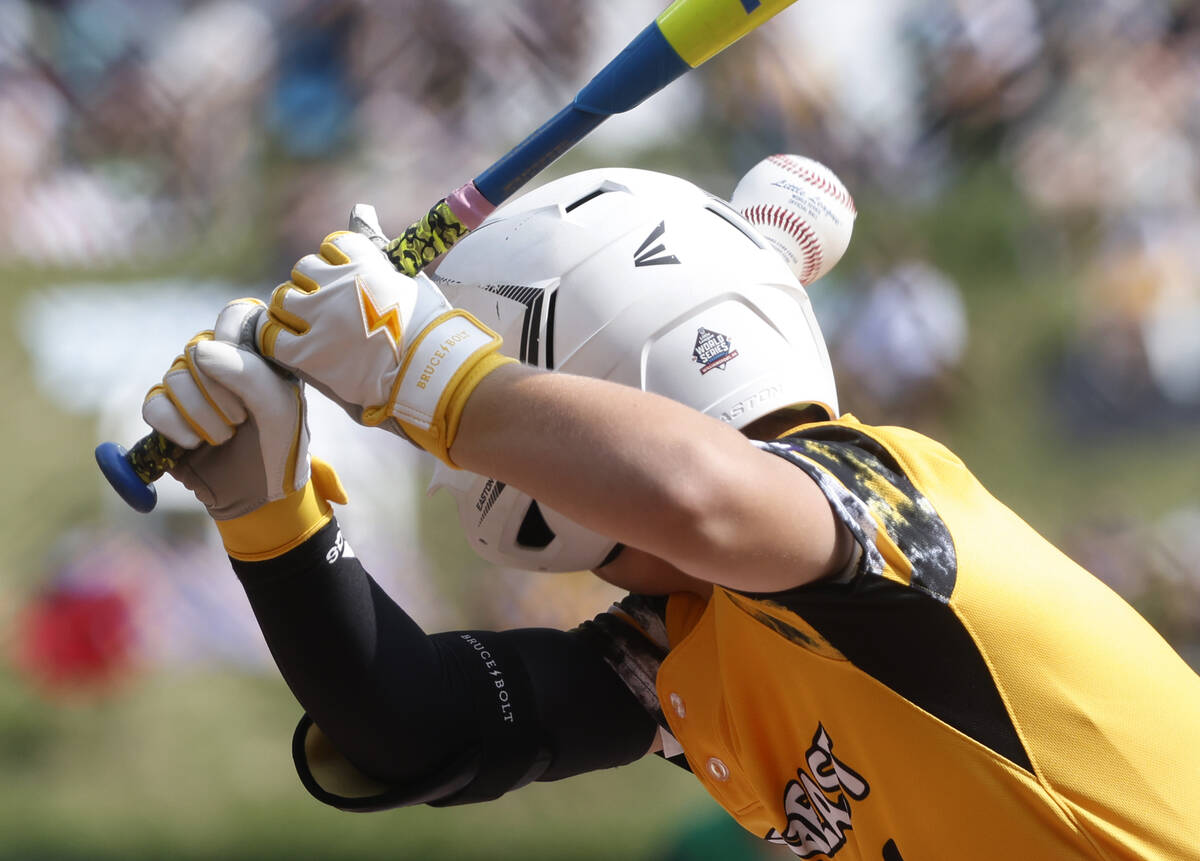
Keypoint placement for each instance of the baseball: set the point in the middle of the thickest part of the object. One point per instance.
(801, 208)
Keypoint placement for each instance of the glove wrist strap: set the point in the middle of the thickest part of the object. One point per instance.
(276, 527)
(445, 363)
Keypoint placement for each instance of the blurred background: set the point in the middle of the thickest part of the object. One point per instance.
(1024, 285)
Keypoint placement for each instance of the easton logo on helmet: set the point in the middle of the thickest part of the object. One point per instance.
(487, 498)
(712, 350)
(646, 256)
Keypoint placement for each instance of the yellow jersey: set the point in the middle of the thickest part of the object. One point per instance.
(965, 692)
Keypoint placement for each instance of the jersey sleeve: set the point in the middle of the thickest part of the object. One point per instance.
(900, 534)
(897, 618)
(632, 638)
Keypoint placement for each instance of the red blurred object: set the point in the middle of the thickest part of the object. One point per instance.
(72, 640)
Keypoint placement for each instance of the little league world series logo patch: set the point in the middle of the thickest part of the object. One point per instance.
(713, 350)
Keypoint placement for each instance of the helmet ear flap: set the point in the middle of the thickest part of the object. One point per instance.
(507, 527)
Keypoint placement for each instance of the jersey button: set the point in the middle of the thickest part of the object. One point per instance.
(718, 769)
(677, 704)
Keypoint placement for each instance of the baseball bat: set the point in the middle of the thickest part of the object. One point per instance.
(681, 38)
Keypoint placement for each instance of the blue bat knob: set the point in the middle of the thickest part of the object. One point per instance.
(136, 491)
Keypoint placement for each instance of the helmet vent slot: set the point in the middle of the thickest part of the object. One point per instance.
(589, 196)
(535, 533)
(729, 216)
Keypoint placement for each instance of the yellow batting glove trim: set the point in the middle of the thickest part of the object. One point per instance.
(443, 426)
(276, 527)
(433, 424)
(156, 389)
(331, 252)
(197, 377)
(293, 322)
(327, 483)
(279, 319)
(302, 282)
(377, 415)
(286, 523)
(206, 335)
(455, 399)
(180, 364)
(289, 474)
(267, 336)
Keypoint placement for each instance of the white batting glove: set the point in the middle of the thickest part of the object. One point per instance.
(390, 349)
(245, 422)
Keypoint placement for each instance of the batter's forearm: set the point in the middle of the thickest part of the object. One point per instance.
(454, 717)
(651, 473)
(608, 456)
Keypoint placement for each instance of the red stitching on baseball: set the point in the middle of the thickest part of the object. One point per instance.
(809, 244)
(801, 231)
(837, 192)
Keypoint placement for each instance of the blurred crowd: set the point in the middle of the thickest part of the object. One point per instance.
(136, 132)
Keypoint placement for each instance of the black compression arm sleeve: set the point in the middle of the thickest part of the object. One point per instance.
(400, 705)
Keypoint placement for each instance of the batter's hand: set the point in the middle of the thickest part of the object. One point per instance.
(390, 349)
(245, 421)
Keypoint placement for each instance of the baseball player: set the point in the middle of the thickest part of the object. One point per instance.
(858, 651)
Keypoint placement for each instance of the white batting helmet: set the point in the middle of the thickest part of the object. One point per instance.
(643, 279)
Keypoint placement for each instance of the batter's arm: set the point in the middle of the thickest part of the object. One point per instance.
(394, 716)
(656, 475)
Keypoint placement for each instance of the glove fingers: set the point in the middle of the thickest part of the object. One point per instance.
(227, 404)
(208, 412)
(248, 378)
(197, 406)
(161, 414)
(236, 321)
(318, 286)
(337, 249)
(292, 302)
(350, 312)
(346, 246)
(274, 403)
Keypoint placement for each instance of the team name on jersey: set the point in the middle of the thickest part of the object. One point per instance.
(817, 802)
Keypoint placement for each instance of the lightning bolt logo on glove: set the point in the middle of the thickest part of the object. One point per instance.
(374, 322)
(435, 355)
